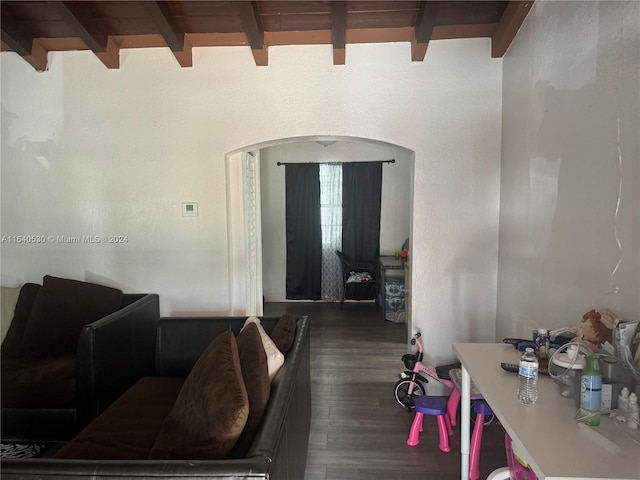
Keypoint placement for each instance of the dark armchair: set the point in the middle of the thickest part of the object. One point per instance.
(72, 348)
(360, 280)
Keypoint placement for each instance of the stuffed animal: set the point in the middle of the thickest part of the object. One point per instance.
(595, 328)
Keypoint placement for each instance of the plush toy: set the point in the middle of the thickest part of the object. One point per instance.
(595, 328)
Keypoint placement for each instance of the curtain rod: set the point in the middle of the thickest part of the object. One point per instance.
(393, 160)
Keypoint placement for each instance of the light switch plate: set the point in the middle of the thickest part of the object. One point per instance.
(189, 209)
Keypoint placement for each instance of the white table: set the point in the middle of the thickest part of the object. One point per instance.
(555, 446)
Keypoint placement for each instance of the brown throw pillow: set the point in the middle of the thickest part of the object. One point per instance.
(12, 344)
(61, 308)
(255, 373)
(211, 409)
(284, 332)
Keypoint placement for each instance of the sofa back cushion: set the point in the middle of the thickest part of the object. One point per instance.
(60, 310)
(211, 409)
(284, 332)
(12, 344)
(255, 373)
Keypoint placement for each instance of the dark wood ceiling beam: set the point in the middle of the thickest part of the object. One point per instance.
(508, 26)
(426, 21)
(167, 25)
(17, 39)
(111, 56)
(339, 31)
(250, 18)
(37, 58)
(79, 20)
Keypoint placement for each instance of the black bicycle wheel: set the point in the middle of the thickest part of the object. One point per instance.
(401, 392)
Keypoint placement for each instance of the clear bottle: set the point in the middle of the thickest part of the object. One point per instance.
(542, 340)
(591, 392)
(632, 409)
(528, 372)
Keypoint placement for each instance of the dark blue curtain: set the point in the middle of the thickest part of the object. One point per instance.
(361, 199)
(304, 232)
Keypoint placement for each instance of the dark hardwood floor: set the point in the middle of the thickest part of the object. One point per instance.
(358, 431)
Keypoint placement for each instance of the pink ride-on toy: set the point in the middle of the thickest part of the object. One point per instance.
(413, 380)
(431, 405)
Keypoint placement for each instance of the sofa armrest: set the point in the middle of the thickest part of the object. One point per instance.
(284, 434)
(114, 352)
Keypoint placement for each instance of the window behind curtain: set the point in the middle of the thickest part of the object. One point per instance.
(331, 222)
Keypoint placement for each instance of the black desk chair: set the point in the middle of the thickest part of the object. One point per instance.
(360, 280)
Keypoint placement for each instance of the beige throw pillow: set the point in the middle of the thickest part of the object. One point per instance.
(275, 358)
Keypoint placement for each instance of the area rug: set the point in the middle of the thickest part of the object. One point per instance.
(23, 450)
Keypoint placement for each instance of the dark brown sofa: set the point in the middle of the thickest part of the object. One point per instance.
(59, 370)
(278, 450)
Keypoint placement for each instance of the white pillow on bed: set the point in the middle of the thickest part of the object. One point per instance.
(275, 358)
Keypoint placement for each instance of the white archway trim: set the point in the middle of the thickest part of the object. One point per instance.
(244, 233)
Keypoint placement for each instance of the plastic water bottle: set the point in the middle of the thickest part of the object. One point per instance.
(528, 372)
(591, 392)
(632, 408)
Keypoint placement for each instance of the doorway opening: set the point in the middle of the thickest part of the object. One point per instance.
(256, 210)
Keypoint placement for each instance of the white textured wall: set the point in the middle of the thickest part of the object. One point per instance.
(395, 208)
(570, 215)
(86, 150)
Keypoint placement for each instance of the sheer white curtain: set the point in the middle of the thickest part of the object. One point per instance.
(331, 221)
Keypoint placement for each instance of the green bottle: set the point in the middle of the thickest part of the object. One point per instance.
(591, 391)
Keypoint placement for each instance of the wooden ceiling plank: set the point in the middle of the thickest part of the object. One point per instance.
(448, 32)
(426, 21)
(167, 25)
(339, 31)
(103, 26)
(74, 14)
(460, 12)
(318, 37)
(508, 26)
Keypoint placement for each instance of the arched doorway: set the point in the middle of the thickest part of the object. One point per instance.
(252, 171)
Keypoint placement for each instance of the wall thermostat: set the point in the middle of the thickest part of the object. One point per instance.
(190, 209)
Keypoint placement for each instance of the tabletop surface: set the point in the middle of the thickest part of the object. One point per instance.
(555, 445)
(390, 261)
